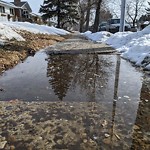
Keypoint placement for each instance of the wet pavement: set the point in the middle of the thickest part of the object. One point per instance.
(78, 77)
(76, 100)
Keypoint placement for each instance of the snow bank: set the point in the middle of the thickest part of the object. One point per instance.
(134, 46)
(35, 28)
(8, 30)
(7, 33)
(98, 36)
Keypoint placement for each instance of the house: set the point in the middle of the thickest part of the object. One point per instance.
(18, 11)
(23, 10)
(7, 11)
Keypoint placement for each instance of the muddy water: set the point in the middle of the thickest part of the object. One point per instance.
(102, 95)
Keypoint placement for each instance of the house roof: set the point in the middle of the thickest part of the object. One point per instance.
(19, 4)
(8, 4)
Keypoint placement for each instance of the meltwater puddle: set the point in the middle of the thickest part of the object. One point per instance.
(99, 100)
(79, 77)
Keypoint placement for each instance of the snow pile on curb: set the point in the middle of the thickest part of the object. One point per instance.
(98, 36)
(8, 30)
(134, 46)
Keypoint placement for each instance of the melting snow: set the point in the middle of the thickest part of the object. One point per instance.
(8, 30)
(134, 46)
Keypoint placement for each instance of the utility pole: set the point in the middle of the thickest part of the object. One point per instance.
(122, 20)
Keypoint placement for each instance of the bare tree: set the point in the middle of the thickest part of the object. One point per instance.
(90, 9)
(88, 15)
(114, 7)
(105, 13)
(82, 10)
(97, 16)
(85, 7)
(135, 9)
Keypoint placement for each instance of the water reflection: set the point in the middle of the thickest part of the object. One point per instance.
(83, 77)
(121, 118)
(60, 70)
(116, 84)
(82, 71)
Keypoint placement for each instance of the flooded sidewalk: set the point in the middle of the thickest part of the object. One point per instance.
(75, 95)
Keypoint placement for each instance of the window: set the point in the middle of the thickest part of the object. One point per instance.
(11, 11)
(2, 9)
(26, 14)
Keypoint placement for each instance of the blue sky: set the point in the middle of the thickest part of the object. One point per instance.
(35, 4)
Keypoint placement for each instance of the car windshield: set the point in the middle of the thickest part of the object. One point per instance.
(103, 24)
(115, 21)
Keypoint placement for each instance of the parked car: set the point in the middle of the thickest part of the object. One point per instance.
(113, 25)
(102, 26)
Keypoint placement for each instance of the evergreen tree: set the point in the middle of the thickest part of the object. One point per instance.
(148, 9)
(64, 10)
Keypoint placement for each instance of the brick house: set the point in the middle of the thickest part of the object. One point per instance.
(23, 10)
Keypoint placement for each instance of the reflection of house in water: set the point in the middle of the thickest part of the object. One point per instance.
(141, 133)
(80, 72)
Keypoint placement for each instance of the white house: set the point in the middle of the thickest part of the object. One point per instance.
(17, 11)
(7, 11)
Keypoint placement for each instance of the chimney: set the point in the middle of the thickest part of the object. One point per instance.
(17, 1)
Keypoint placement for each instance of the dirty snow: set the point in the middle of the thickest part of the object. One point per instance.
(133, 46)
(7, 33)
(8, 30)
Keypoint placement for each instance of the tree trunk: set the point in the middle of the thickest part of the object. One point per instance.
(97, 14)
(58, 14)
(88, 15)
(81, 21)
(133, 23)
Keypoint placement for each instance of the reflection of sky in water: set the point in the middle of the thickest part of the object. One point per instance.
(77, 78)
(71, 78)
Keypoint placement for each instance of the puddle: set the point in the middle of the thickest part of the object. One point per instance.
(78, 77)
(96, 101)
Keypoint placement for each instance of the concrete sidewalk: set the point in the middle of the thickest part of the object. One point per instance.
(79, 44)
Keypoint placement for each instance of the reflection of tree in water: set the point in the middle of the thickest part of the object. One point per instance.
(91, 73)
(141, 134)
(60, 72)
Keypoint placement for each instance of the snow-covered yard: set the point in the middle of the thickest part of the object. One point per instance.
(20, 39)
(9, 30)
(134, 46)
